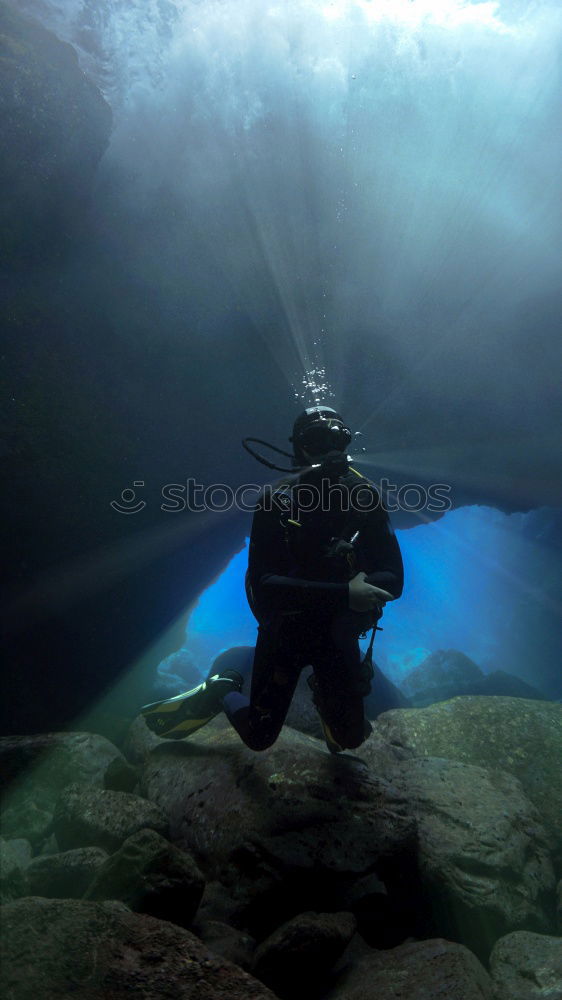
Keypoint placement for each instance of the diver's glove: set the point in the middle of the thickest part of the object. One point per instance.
(176, 718)
(364, 596)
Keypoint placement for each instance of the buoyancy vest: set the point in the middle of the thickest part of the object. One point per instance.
(322, 542)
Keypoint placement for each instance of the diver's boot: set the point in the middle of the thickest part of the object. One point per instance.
(176, 718)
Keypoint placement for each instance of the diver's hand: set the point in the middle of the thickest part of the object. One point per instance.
(364, 597)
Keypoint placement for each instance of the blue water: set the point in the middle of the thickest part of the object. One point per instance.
(478, 581)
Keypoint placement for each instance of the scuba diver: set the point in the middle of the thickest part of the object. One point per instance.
(323, 561)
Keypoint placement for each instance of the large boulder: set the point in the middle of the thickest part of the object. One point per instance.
(423, 970)
(35, 769)
(140, 741)
(65, 875)
(55, 126)
(443, 674)
(304, 948)
(218, 794)
(232, 944)
(448, 673)
(150, 875)
(57, 759)
(95, 817)
(483, 856)
(379, 915)
(283, 830)
(516, 735)
(527, 966)
(95, 951)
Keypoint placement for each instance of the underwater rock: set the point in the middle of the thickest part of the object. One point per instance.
(58, 759)
(59, 948)
(381, 919)
(515, 735)
(35, 769)
(483, 855)
(226, 941)
(152, 876)
(66, 875)
(422, 970)
(501, 684)
(120, 776)
(295, 796)
(448, 673)
(55, 127)
(381, 755)
(526, 966)
(23, 816)
(140, 741)
(15, 856)
(384, 695)
(48, 847)
(95, 817)
(442, 675)
(305, 948)
(176, 673)
(280, 828)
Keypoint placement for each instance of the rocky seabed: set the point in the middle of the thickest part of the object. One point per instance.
(202, 869)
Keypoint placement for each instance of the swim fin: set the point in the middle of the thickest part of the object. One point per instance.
(178, 717)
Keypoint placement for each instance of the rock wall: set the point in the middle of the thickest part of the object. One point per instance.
(55, 128)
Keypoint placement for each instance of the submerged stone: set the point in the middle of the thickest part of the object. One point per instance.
(483, 855)
(66, 875)
(422, 970)
(59, 948)
(516, 735)
(527, 966)
(35, 770)
(152, 876)
(95, 817)
(306, 947)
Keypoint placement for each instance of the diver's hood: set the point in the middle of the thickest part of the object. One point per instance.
(319, 431)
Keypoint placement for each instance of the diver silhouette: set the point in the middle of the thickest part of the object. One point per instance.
(323, 562)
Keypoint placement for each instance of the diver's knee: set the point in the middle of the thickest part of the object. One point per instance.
(352, 739)
(360, 737)
(352, 743)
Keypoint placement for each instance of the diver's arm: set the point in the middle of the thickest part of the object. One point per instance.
(291, 594)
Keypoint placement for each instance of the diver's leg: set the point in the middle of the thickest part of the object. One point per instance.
(339, 687)
(278, 661)
(275, 664)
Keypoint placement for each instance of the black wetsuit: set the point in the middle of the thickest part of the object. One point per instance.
(300, 598)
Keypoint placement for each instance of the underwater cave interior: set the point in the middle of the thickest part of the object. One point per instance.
(215, 213)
